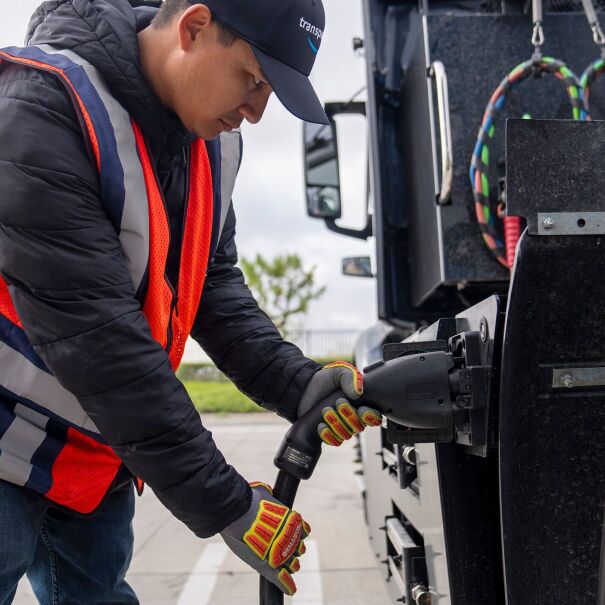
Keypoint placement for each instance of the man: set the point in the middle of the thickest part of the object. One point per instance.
(119, 147)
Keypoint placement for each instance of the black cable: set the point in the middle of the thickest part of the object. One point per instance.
(285, 490)
(601, 600)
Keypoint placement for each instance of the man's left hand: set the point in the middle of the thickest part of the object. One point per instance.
(342, 421)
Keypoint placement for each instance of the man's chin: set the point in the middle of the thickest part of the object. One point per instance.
(207, 131)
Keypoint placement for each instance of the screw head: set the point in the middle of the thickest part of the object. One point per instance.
(483, 329)
(548, 223)
(567, 381)
(358, 43)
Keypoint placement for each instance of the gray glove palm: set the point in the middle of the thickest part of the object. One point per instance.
(269, 538)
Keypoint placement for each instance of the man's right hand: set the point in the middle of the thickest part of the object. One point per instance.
(269, 537)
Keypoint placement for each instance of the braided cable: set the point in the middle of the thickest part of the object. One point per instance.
(479, 169)
(592, 72)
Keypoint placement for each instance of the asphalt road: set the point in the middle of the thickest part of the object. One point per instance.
(173, 567)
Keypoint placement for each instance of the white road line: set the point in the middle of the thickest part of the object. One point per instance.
(25, 589)
(200, 584)
(308, 579)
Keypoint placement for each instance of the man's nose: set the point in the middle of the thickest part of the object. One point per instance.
(252, 110)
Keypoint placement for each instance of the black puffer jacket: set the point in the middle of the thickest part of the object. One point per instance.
(63, 261)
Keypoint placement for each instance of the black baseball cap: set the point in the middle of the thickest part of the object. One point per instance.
(285, 36)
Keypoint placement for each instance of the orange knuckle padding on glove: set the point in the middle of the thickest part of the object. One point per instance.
(277, 535)
(294, 565)
(263, 531)
(350, 416)
(287, 582)
(285, 545)
(332, 419)
(342, 423)
(327, 436)
(369, 416)
(269, 537)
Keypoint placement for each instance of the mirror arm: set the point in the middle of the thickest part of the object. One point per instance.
(357, 233)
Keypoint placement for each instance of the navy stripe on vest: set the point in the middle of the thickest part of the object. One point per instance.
(15, 337)
(213, 147)
(7, 414)
(40, 479)
(111, 173)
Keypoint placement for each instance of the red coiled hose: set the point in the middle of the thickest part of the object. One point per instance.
(512, 233)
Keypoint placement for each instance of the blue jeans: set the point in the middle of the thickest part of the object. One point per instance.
(70, 559)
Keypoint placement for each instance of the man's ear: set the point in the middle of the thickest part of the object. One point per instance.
(195, 21)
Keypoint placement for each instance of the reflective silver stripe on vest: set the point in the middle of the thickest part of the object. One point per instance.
(19, 443)
(134, 228)
(230, 161)
(21, 377)
(17, 374)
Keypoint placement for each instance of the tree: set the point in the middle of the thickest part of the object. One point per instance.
(282, 287)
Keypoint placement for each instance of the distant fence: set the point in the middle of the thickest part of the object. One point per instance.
(313, 343)
(324, 343)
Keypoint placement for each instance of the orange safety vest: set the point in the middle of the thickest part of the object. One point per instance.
(62, 454)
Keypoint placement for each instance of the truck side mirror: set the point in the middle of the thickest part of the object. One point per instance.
(357, 266)
(322, 171)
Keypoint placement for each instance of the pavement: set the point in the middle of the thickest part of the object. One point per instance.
(172, 567)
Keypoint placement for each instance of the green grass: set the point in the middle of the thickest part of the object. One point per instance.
(207, 372)
(219, 398)
(211, 391)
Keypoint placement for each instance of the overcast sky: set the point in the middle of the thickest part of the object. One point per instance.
(269, 196)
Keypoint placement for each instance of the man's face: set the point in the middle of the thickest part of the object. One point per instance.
(215, 87)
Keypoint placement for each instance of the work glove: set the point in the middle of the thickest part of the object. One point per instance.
(342, 421)
(269, 538)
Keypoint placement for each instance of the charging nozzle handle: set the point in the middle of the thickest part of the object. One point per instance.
(300, 449)
(296, 459)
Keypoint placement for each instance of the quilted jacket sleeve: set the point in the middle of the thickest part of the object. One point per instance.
(67, 277)
(241, 339)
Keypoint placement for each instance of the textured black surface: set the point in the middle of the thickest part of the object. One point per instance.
(469, 500)
(555, 166)
(552, 442)
(469, 488)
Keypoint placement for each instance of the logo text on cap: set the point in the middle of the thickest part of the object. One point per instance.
(311, 28)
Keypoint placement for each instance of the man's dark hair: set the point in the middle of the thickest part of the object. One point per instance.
(171, 8)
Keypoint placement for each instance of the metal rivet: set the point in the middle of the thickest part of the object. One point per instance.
(548, 223)
(409, 454)
(421, 595)
(567, 381)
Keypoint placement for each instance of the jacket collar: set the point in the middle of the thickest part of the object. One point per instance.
(104, 33)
